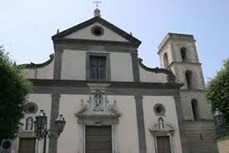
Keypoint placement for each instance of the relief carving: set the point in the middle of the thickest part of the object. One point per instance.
(98, 109)
(162, 128)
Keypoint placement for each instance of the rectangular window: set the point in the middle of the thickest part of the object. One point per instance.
(163, 144)
(27, 145)
(98, 139)
(97, 68)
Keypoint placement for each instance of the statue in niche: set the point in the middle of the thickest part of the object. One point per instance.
(98, 100)
(29, 123)
(161, 123)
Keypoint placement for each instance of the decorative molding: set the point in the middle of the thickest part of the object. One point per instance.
(170, 76)
(97, 86)
(184, 63)
(113, 84)
(97, 110)
(27, 134)
(93, 45)
(115, 88)
(174, 36)
(162, 129)
(35, 66)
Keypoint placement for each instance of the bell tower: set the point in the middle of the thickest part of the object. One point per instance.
(178, 54)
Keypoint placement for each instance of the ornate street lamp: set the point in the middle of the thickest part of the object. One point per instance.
(41, 130)
(221, 129)
(60, 123)
(219, 118)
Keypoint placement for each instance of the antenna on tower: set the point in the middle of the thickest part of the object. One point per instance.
(97, 2)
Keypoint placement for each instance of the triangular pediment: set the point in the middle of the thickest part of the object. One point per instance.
(97, 29)
(87, 33)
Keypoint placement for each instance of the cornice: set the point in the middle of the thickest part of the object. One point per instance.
(174, 36)
(113, 84)
(183, 63)
(70, 41)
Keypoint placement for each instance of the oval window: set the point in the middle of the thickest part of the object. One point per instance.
(97, 30)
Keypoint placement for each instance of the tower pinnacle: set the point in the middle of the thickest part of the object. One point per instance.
(97, 11)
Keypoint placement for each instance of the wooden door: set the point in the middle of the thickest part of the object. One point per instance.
(163, 144)
(98, 139)
(27, 145)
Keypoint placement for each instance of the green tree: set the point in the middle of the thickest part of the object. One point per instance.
(13, 90)
(217, 92)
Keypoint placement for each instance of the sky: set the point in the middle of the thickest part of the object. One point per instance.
(27, 26)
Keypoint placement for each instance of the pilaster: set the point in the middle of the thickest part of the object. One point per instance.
(54, 114)
(140, 123)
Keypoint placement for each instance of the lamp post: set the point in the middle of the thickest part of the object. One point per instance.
(222, 131)
(219, 118)
(221, 128)
(41, 130)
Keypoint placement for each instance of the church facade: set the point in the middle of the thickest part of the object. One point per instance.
(111, 101)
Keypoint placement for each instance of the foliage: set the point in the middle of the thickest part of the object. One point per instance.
(13, 90)
(217, 92)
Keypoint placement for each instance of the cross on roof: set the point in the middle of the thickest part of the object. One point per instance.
(97, 2)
